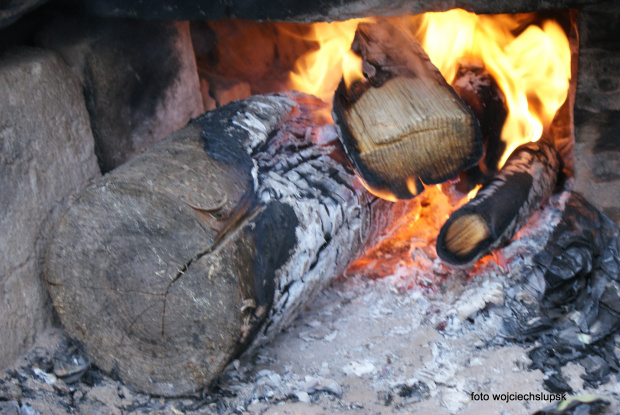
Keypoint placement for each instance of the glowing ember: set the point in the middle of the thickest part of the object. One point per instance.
(409, 244)
(382, 193)
(473, 192)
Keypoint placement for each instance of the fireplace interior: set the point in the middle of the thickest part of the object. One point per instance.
(119, 241)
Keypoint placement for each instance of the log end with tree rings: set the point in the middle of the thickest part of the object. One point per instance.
(213, 240)
(402, 125)
(463, 235)
(502, 206)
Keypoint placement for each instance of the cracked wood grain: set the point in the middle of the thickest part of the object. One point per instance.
(208, 243)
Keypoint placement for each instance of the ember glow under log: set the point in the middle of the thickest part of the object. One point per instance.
(402, 125)
(502, 206)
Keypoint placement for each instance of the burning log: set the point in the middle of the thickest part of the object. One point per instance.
(502, 206)
(171, 265)
(480, 92)
(402, 125)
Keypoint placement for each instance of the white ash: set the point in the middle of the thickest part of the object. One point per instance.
(270, 109)
(410, 350)
(329, 220)
(259, 127)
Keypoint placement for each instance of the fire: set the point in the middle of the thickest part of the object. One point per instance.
(409, 241)
(319, 71)
(382, 193)
(528, 58)
(473, 192)
(532, 67)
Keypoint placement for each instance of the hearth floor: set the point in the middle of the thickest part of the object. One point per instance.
(362, 347)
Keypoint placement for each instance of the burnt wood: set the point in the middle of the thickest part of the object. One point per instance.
(403, 125)
(477, 88)
(502, 206)
(174, 263)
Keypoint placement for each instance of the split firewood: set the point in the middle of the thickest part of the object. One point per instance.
(170, 266)
(402, 125)
(480, 92)
(502, 206)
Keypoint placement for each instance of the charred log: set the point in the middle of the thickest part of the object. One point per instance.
(502, 206)
(171, 265)
(402, 125)
(480, 92)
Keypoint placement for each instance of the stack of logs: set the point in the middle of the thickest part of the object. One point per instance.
(403, 127)
(170, 266)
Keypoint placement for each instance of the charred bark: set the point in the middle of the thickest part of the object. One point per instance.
(171, 265)
(480, 92)
(402, 125)
(502, 206)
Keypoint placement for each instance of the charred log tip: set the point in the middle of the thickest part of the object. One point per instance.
(462, 238)
(543, 150)
(347, 96)
(359, 39)
(502, 206)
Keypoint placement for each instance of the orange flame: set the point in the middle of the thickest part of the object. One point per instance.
(381, 193)
(532, 68)
(473, 192)
(319, 71)
(531, 65)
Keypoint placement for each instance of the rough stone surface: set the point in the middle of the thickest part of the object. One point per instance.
(301, 11)
(597, 108)
(12, 10)
(140, 79)
(224, 90)
(46, 153)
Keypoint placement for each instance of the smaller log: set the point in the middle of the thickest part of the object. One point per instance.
(502, 206)
(402, 125)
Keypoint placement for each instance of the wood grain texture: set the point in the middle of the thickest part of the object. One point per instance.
(403, 125)
(173, 264)
(501, 206)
